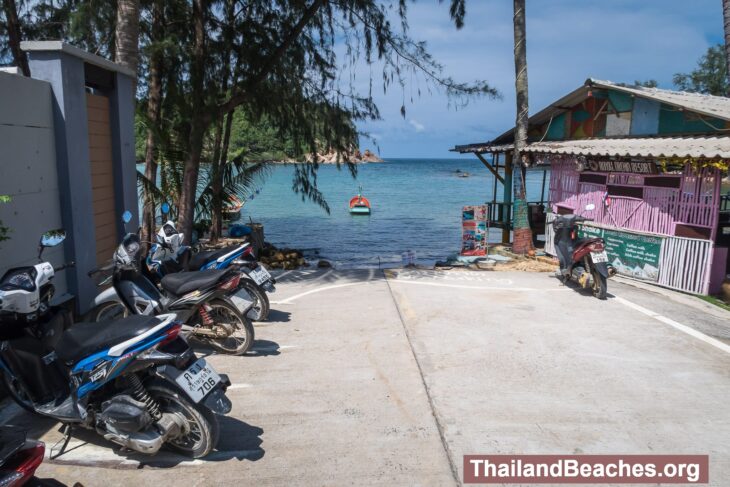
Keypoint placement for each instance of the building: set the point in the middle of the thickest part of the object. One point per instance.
(67, 135)
(651, 163)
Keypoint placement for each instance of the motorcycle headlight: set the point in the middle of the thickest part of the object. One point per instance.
(23, 278)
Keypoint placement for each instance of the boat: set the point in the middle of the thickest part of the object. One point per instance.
(359, 205)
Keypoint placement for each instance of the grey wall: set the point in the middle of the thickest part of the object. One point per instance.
(28, 173)
(65, 73)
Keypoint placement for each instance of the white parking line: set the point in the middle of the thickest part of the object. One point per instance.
(317, 290)
(482, 288)
(679, 326)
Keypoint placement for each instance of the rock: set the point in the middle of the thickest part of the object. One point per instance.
(726, 291)
(323, 264)
(301, 262)
(291, 255)
(279, 257)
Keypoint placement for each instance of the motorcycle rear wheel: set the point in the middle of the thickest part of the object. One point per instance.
(203, 426)
(600, 286)
(241, 341)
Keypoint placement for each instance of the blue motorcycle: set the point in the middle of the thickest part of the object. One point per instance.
(169, 255)
(134, 381)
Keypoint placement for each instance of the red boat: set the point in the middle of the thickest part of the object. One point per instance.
(359, 205)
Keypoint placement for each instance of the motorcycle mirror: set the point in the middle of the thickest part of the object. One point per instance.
(165, 208)
(50, 239)
(127, 216)
(590, 207)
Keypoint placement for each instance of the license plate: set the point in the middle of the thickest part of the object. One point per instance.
(260, 275)
(198, 380)
(599, 257)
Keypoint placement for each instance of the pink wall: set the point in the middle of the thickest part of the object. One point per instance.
(695, 202)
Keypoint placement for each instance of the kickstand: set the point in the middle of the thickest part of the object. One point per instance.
(66, 429)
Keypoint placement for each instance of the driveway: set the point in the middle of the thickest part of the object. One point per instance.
(361, 379)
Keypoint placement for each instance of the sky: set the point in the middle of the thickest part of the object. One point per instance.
(568, 41)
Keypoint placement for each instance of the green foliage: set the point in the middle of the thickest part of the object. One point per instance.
(4, 231)
(710, 77)
(649, 83)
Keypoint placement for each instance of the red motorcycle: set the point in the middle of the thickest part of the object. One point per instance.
(19, 457)
(582, 260)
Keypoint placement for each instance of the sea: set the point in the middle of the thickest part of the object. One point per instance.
(416, 211)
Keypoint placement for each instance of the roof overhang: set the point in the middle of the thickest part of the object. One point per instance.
(645, 147)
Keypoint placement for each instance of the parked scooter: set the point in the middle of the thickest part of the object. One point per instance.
(582, 260)
(169, 255)
(134, 381)
(19, 457)
(200, 299)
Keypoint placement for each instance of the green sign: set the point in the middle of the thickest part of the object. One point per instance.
(629, 253)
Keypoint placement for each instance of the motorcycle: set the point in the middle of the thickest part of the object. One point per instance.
(169, 255)
(201, 300)
(582, 260)
(19, 457)
(135, 381)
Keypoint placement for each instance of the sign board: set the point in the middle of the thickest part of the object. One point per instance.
(474, 230)
(630, 254)
(638, 167)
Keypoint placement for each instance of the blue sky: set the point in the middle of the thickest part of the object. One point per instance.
(568, 41)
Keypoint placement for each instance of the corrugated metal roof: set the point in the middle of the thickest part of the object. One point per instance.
(708, 105)
(713, 106)
(695, 147)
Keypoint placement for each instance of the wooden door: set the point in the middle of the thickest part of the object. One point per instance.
(102, 176)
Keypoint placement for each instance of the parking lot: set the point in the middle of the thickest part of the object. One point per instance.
(364, 377)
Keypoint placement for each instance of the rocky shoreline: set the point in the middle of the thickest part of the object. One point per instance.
(333, 157)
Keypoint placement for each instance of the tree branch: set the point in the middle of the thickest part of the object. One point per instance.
(241, 95)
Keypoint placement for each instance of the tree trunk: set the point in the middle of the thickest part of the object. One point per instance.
(154, 109)
(197, 123)
(726, 18)
(217, 210)
(126, 36)
(14, 36)
(522, 235)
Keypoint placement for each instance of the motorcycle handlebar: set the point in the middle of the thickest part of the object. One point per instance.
(105, 268)
(64, 266)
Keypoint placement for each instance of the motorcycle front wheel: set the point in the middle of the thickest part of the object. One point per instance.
(238, 342)
(201, 428)
(16, 392)
(600, 286)
(110, 311)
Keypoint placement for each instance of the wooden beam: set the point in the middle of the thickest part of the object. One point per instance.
(489, 166)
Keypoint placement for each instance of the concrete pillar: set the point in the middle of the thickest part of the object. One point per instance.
(66, 68)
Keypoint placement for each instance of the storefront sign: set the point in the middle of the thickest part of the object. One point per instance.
(638, 167)
(629, 253)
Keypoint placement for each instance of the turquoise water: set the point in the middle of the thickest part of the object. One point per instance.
(416, 206)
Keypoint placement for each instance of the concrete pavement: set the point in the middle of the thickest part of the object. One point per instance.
(358, 379)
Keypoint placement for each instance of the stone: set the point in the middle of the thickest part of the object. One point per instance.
(323, 264)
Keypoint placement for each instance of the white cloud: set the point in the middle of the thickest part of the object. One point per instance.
(416, 125)
(567, 42)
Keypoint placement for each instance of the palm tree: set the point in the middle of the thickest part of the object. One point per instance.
(13, 28)
(126, 36)
(522, 235)
(726, 18)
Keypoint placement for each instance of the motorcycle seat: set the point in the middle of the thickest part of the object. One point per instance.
(85, 339)
(181, 283)
(201, 258)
